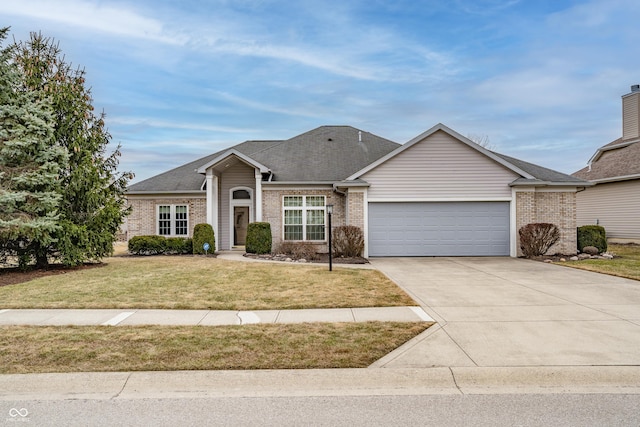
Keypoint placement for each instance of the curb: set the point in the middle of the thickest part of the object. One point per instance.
(322, 382)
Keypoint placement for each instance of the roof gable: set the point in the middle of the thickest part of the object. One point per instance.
(186, 178)
(233, 153)
(423, 136)
(528, 172)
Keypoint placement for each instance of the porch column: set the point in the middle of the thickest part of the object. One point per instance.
(209, 197)
(214, 204)
(258, 196)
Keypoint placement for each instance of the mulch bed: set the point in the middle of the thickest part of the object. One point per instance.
(319, 258)
(13, 275)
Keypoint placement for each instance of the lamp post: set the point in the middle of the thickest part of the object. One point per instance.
(329, 212)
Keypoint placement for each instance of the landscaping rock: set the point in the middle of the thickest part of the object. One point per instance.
(591, 250)
(607, 256)
(584, 256)
(574, 258)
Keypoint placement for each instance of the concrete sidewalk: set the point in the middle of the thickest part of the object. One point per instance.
(115, 317)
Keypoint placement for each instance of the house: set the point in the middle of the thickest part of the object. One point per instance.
(439, 194)
(614, 200)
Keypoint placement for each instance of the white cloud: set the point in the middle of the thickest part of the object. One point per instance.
(166, 124)
(94, 16)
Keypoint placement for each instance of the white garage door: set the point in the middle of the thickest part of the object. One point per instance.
(439, 229)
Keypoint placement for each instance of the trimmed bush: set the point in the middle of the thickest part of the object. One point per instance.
(592, 235)
(298, 250)
(158, 245)
(258, 238)
(203, 233)
(537, 238)
(179, 245)
(147, 245)
(348, 241)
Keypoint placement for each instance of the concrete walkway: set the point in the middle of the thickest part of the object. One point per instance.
(506, 312)
(115, 317)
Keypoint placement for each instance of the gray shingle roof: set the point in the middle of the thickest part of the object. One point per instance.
(611, 162)
(324, 154)
(185, 178)
(540, 173)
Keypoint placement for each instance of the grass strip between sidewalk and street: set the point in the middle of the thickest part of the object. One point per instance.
(38, 349)
(207, 283)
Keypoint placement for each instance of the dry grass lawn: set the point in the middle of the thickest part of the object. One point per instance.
(198, 282)
(626, 262)
(35, 349)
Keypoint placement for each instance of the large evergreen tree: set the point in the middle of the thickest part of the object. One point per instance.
(91, 190)
(30, 162)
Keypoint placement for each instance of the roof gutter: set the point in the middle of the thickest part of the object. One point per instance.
(177, 192)
(537, 183)
(614, 179)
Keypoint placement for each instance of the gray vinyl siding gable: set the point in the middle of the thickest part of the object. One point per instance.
(239, 175)
(616, 206)
(439, 167)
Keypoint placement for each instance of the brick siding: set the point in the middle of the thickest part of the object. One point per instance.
(557, 208)
(143, 217)
(272, 211)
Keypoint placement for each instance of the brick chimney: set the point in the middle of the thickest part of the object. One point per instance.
(631, 114)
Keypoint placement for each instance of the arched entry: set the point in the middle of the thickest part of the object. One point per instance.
(241, 214)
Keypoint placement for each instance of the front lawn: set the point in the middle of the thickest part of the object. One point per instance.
(626, 262)
(198, 282)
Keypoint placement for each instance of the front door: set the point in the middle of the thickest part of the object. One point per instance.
(240, 223)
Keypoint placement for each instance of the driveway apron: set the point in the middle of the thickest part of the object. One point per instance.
(515, 312)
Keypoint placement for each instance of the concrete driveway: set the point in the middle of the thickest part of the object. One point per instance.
(507, 312)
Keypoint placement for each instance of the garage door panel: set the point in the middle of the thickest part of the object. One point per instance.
(439, 229)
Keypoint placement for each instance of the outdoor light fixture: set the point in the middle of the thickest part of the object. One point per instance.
(329, 212)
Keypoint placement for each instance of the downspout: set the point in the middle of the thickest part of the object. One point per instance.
(335, 188)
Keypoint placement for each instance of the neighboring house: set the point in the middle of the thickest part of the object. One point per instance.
(439, 194)
(614, 200)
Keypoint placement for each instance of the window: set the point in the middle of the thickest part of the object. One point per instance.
(173, 220)
(304, 217)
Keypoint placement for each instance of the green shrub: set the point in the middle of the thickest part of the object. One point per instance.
(537, 238)
(147, 245)
(203, 233)
(179, 245)
(348, 241)
(258, 238)
(592, 235)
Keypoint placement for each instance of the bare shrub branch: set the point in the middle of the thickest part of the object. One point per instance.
(348, 241)
(537, 238)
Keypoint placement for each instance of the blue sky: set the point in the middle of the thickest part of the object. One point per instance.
(540, 79)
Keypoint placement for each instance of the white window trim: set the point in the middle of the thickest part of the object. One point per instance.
(172, 211)
(304, 209)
